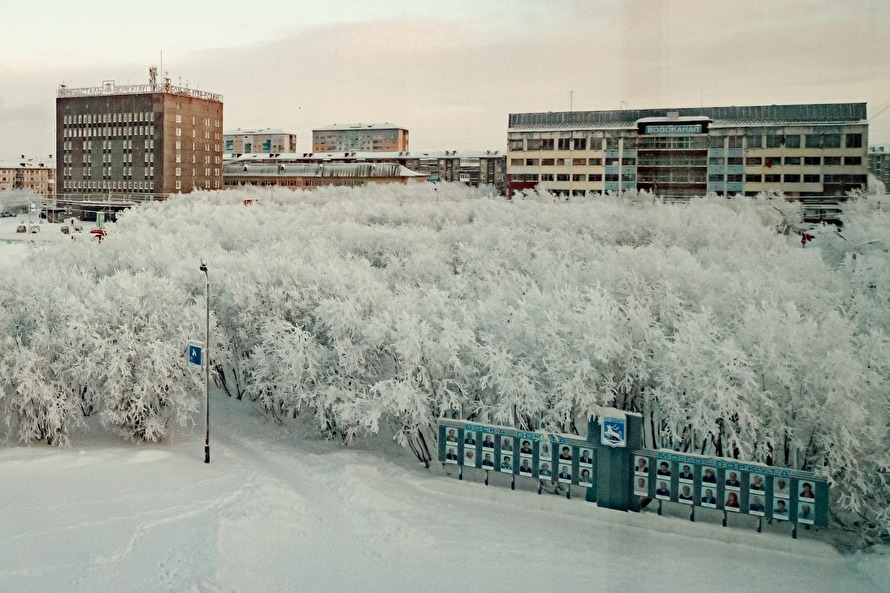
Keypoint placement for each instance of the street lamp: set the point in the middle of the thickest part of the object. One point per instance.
(203, 268)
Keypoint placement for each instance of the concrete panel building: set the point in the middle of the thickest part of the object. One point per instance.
(813, 150)
(879, 164)
(263, 140)
(137, 142)
(28, 174)
(296, 176)
(360, 137)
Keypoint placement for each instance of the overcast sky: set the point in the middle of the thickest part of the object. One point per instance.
(449, 71)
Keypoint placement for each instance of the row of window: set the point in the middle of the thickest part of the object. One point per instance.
(753, 140)
(108, 118)
(754, 161)
(593, 177)
(112, 185)
(108, 131)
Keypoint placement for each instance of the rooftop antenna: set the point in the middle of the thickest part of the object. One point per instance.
(571, 100)
(622, 104)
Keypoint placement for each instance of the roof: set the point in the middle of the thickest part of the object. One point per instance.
(337, 128)
(249, 131)
(241, 169)
(772, 114)
(27, 164)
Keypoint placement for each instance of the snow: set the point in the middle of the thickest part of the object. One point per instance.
(279, 510)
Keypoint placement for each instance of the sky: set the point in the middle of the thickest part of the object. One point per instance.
(449, 71)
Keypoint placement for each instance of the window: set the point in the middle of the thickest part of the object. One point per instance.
(716, 161)
(792, 160)
(735, 141)
(532, 162)
(562, 177)
(831, 140)
(595, 177)
(715, 177)
(853, 160)
(734, 178)
(178, 118)
(628, 162)
(547, 162)
(792, 178)
(812, 161)
(611, 161)
(578, 177)
(178, 184)
(560, 162)
(534, 144)
(772, 178)
(565, 144)
(547, 144)
(853, 141)
(579, 143)
(792, 141)
(832, 161)
(753, 178)
(734, 161)
(547, 177)
(517, 162)
(526, 177)
(715, 142)
(775, 141)
(811, 178)
(179, 131)
(597, 162)
(577, 162)
(178, 171)
(611, 177)
(754, 161)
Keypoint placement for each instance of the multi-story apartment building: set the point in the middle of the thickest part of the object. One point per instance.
(360, 137)
(309, 176)
(37, 176)
(801, 150)
(475, 168)
(136, 141)
(266, 140)
(879, 164)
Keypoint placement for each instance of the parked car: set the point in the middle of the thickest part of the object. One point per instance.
(21, 229)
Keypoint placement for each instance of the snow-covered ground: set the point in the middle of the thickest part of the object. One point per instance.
(279, 510)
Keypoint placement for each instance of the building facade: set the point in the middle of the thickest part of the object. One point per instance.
(309, 176)
(267, 140)
(474, 168)
(879, 164)
(801, 150)
(28, 174)
(361, 138)
(140, 141)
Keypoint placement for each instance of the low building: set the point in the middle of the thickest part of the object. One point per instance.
(28, 174)
(475, 168)
(816, 150)
(360, 137)
(263, 140)
(309, 176)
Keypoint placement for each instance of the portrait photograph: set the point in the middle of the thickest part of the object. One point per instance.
(732, 480)
(545, 450)
(525, 449)
(451, 455)
(806, 513)
(506, 445)
(709, 476)
(756, 483)
(565, 453)
(507, 464)
(780, 509)
(585, 457)
(685, 494)
(686, 475)
(806, 491)
(756, 506)
(664, 469)
(525, 468)
(663, 489)
(781, 486)
(488, 442)
(731, 501)
(544, 468)
(641, 486)
(451, 435)
(708, 496)
(641, 466)
(487, 460)
(469, 438)
(470, 457)
(565, 474)
(585, 479)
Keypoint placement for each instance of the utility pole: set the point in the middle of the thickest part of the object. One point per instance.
(206, 356)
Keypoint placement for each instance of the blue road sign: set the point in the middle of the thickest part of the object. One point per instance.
(614, 432)
(196, 354)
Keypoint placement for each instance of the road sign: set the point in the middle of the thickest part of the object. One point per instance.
(196, 353)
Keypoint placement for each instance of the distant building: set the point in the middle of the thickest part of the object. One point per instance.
(28, 174)
(309, 176)
(360, 137)
(811, 151)
(475, 168)
(879, 164)
(140, 141)
(265, 140)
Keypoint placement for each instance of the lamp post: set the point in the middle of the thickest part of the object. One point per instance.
(203, 268)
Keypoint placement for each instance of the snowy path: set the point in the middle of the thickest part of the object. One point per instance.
(277, 512)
